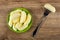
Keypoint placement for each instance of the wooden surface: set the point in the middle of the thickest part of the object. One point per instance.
(50, 29)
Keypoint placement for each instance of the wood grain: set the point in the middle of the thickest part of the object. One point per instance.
(50, 29)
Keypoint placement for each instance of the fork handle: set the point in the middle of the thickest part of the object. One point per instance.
(35, 31)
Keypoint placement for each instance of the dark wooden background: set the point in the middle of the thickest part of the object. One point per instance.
(50, 29)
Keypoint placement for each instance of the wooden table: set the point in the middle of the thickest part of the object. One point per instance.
(50, 29)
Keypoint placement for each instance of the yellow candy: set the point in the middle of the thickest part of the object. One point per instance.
(14, 16)
(16, 20)
(18, 26)
(10, 23)
(23, 17)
